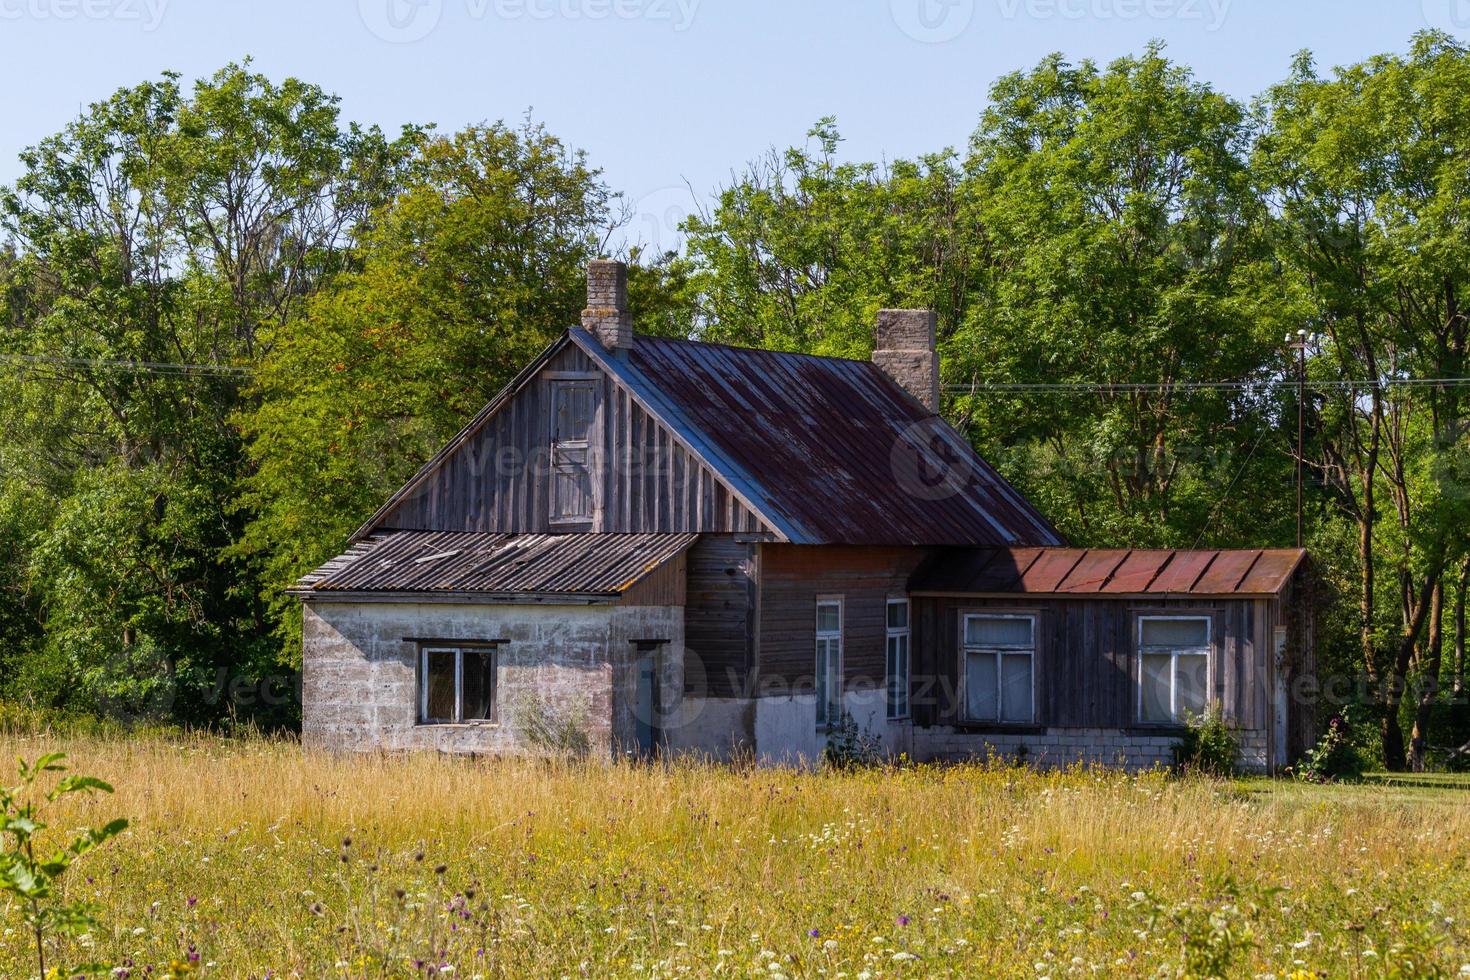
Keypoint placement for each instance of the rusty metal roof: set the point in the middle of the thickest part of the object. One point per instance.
(587, 566)
(1081, 571)
(827, 450)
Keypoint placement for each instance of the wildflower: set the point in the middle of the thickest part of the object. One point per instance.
(902, 920)
(814, 933)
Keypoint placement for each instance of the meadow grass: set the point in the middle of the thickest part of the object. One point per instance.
(253, 859)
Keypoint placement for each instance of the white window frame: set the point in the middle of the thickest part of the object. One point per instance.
(459, 652)
(834, 695)
(898, 641)
(1208, 650)
(999, 652)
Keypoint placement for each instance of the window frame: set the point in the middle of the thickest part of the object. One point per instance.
(895, 711)
(1139, 650)
(458, 649)
(1031, 615)
(833, 697)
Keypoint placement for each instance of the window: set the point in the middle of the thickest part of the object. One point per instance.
(456, 685)
(1000, 662)
(829, 661)
(573, 405)
(1173, 667)
(898, 658)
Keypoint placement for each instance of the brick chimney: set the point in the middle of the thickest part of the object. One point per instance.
(606, 316)
(906, 353)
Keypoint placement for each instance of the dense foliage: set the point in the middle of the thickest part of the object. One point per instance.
(230, 323)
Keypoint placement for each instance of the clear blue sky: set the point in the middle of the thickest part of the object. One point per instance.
(666, 93)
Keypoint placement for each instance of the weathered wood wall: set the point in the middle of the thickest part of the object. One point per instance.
(1086, 663)
(643, 480)
(792, 577)
(668, 586)
(719, 617)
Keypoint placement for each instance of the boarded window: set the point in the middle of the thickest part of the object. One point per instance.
(1173, 668)
(573, 405)
(1000, 668)
(829, 661)
(898, 658)
(456, 685)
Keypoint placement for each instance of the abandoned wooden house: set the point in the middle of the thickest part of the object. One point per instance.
(688, 547)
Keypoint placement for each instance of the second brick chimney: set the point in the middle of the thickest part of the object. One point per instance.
(907, 353)
(606, 316)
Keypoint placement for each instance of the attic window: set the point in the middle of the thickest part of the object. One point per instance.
(457, 684)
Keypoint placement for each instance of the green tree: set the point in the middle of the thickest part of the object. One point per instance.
(1369, 171)
(474, 267)
(1124, 247)
(801, 250)
(162, 226)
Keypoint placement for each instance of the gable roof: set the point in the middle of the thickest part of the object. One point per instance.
(450, 563)
(822, 450)
(1082, 571)
(830, 449)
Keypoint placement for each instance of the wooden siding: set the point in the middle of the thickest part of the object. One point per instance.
(665, 587)
(1086, 663)
(719, 617)
(791, 579)
(643, 480)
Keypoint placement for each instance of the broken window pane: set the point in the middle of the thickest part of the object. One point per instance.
(439, 685)
(479, 685)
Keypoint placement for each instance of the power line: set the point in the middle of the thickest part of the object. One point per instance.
(1107, 387)
(165, 368)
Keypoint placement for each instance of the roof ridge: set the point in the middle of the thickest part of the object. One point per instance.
(738, 348)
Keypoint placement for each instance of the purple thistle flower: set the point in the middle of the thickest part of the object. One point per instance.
(903, 920)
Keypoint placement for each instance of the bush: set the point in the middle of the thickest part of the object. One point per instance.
(1208, 746)
(851, 747)
(555, 732)
(1335, 759)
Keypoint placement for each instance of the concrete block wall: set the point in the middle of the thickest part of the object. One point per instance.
(359, 675)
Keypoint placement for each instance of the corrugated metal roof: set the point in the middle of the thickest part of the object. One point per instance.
(1053, 571)
(580, 565)
(828, 450)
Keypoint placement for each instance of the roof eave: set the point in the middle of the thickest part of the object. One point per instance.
(458, 598)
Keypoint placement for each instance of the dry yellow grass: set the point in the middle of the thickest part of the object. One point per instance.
(236, 857)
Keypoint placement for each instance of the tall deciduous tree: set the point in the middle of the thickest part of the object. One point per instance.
(801, 250)
(1369, 170)
(1124, 243)
(474, 267)
(162, 226)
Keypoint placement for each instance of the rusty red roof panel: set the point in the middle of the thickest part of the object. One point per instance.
(1226, 572)
(1093, 571)
(829, 450)
(1138, 571)
(1274, 566)
(1048, 571)
(429, 562)
(1111, 573)
(1183, 570)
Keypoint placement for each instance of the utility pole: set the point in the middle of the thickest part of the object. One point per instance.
(1299, 344)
